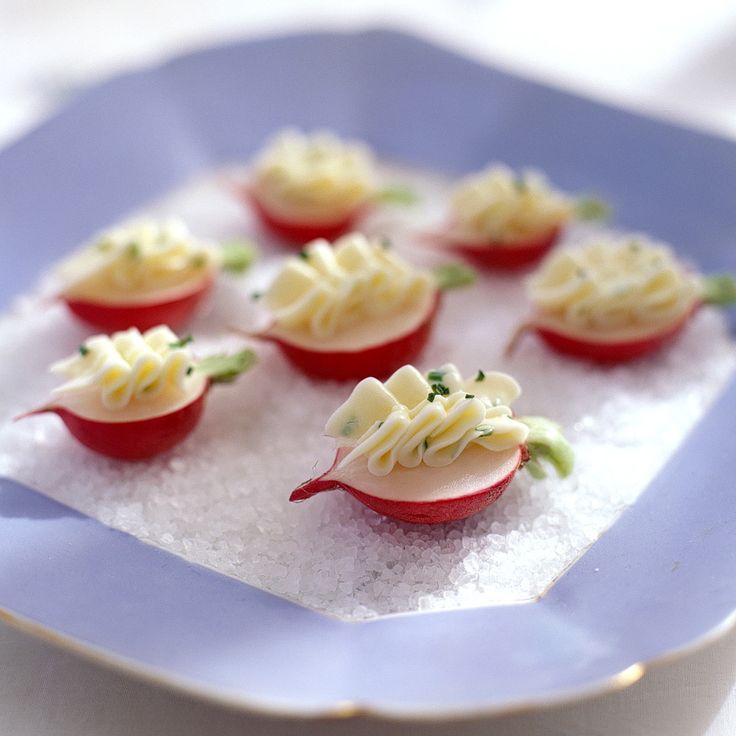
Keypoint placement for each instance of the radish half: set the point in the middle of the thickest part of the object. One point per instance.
(436, 495)
(173, 306)
(144, 428)
(298, 233)
(423, 495)
(374, 347)
(600, 346)
(505, 256)
(625, 344)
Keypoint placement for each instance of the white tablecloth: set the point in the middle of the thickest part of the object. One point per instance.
(673, 60)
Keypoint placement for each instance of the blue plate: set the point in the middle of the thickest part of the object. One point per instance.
(658, 581)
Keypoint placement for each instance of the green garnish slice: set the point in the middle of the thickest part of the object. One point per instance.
(226, 368)
(435, 376)
(440, 389)
(453, 275)
(349, 427)
(520, 184)
(591, 208)
(397, 194)
(546, 443)
(238, 255)
(83, 350)
(480, 376)
(719, 290)
(181, 342)
(304, 255)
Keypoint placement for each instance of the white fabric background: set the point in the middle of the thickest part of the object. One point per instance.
(674, 60)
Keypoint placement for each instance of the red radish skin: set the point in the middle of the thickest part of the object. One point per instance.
(299, 233)
(143, 315)
(620, 352)
(440, 511)
(133, 440)
(504, 257)
(374, 360)
(599, 351)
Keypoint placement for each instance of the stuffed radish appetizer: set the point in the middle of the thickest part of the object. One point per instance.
(614, 300)
(133, 395)
(501, 219)
(144, 274)
(433, 449)
(305, 187)
(353, 309)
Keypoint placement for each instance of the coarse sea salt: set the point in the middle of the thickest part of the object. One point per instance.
(221, 498)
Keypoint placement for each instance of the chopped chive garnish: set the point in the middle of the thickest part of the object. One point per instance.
(190, 370)
(469, 396)
(181, 342)
(430, 397)
(380, 424)
(441, 389)
(480, 376)
(83, 350)
(435, 376)
(304, 255)
(256, 295)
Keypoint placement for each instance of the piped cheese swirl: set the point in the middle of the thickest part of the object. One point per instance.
(138, 258)
(327, 288)
(411, 420)
(497, 205)
(610, 284)
(313, 178)
(128, 366)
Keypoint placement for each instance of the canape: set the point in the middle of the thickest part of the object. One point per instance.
(435, 448)
(131, 395)
(305, 187)
(616, 299)
(502, 219)
(145, 273)
(353, 309)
